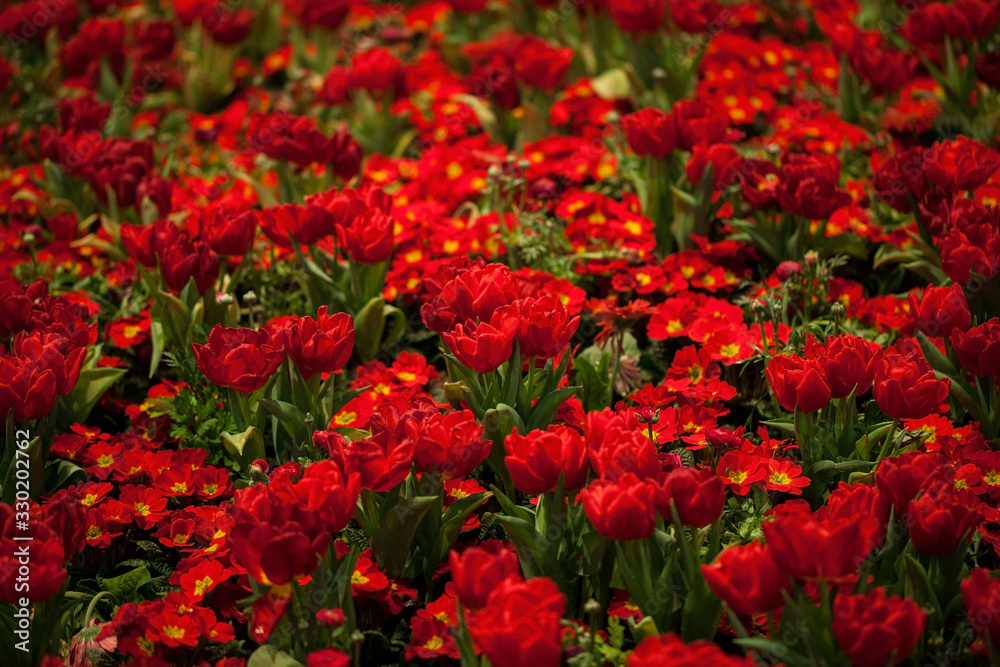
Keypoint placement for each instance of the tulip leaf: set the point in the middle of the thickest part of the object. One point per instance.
(511, 509)
(290, 417)
(933, 355)
(62, 474)
(91, 385)
(613, 84)
(531, 547)
(546, 408)
(391, 541)
(159, 341)
(452, 521)
(245, 447)
(269, 655)
(369, 325)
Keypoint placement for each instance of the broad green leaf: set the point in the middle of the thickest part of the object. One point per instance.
(392, 539)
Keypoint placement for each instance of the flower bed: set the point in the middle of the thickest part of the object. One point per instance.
(499, 333)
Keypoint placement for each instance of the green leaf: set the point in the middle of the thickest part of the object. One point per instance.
(452, 522)
(270, 656)
(62, 474)
(369, 325)
(159, 340)
(531, 547)
(391, 541)
(293, 419)
(545, 410)
(125, 588)
(245, 447)
(91, 385)
(613, 84)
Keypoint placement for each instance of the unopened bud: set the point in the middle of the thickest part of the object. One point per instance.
(648, 414)
(250, 297)
(787, 269)
(258, 471)
(330, 617)
(812, 257)
(838, 309)
(454, 393)
(223, 298)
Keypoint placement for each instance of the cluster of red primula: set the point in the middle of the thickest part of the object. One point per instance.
(499, 333)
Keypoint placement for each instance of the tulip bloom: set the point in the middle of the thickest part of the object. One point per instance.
(875, 627)
(809, 186)
(483, 347)
(227, 233)
(900, 478)
(322, 345)
(536, 460)
(669, 649)
(521, 624)
(940, 519)
(478, 572)
(698, 494)
(811, 547)
(906, 387)
(799, 383)
(621, 510)
(27, 387)
(240, 359)
(650, 132)
(940, 310)
(978, 349)
(980, 592)
(850, 363)
(747, 579)
(546, 326)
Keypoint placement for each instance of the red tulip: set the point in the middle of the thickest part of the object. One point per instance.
(810, 186)
(906, 387)
(521, 624)
(978, 348)
(242, 359)
(228, 233)
(747, 579)
(981, 594)
(186, 260)
(940, 310)
(546, 326)
(799, 383)
(636, 16)
(650, 132)
(940, 519)
(484, 347)
(621, 510)
(698, 494)
(901, 478)
(27, 387)
(478, 572)
(874, 628)
(536, 460)
(850, 363)
(669, 649)
(322, 345)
